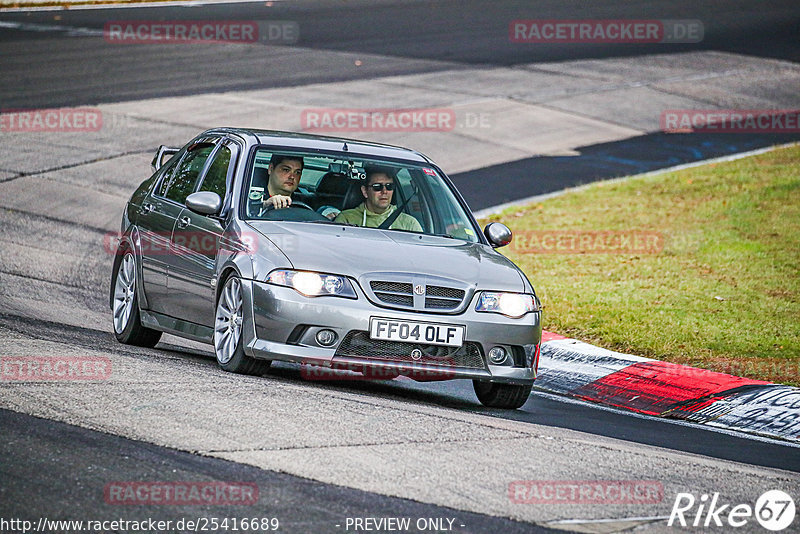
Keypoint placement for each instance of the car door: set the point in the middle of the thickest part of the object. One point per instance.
(196, 240)
(168, 205)
(155, 221)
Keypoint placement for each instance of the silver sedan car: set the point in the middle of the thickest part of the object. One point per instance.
(331, 253)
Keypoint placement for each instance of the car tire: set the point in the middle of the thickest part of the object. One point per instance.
(228, 344)
(508, 396)
(127, 323)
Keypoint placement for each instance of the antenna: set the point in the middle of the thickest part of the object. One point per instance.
(344, 147)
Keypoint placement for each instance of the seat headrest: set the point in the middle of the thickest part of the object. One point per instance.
(333, 183)
(352, 196)
(260, 177)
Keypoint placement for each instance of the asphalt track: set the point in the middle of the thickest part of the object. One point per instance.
(60, 479)
(47, 68)
(56, 470)
(542, 409)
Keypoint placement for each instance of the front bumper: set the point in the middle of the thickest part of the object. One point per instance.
(281, 324)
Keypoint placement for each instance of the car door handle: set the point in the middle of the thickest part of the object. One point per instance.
(184, 221)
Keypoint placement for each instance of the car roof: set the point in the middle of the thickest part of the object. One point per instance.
(322, 142)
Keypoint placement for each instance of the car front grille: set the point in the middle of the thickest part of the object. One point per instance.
(357, 344)
(392, 298)
(445, 292)
(441, 304)
(391, 287)
(402, 294)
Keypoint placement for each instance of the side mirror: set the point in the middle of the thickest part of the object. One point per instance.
(498, 234)
(204, 203)
(163, 155)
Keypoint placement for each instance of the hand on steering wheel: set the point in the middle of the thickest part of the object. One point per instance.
(281, 202)
(276, 202)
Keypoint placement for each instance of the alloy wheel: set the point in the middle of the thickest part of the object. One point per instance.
(228, 323)
(124, 289)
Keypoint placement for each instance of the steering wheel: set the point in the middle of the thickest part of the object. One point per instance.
(294, 204)
(298, 204)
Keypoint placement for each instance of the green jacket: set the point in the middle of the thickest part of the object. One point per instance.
(373, 220)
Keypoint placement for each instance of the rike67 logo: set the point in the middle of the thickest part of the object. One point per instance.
(774, 510)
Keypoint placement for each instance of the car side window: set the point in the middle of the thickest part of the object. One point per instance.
(216, 177)
(165, 176)
(184, 179)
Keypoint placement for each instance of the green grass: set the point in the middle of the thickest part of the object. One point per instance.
(722, 293)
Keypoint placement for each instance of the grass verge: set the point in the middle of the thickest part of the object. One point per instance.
(699, 267)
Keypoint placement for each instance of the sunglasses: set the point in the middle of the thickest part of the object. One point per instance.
(379, 187)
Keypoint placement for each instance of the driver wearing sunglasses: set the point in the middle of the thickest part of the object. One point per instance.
(378, 190)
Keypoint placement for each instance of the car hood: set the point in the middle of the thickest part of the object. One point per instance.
(354, 252)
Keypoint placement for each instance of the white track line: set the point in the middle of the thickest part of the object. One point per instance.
(72, 31)
(592, 521)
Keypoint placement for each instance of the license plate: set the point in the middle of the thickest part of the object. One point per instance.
(414, 332)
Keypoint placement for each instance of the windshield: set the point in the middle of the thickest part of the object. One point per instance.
(371, 193)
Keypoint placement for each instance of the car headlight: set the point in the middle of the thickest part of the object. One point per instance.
(513, 305)
(313, 284)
